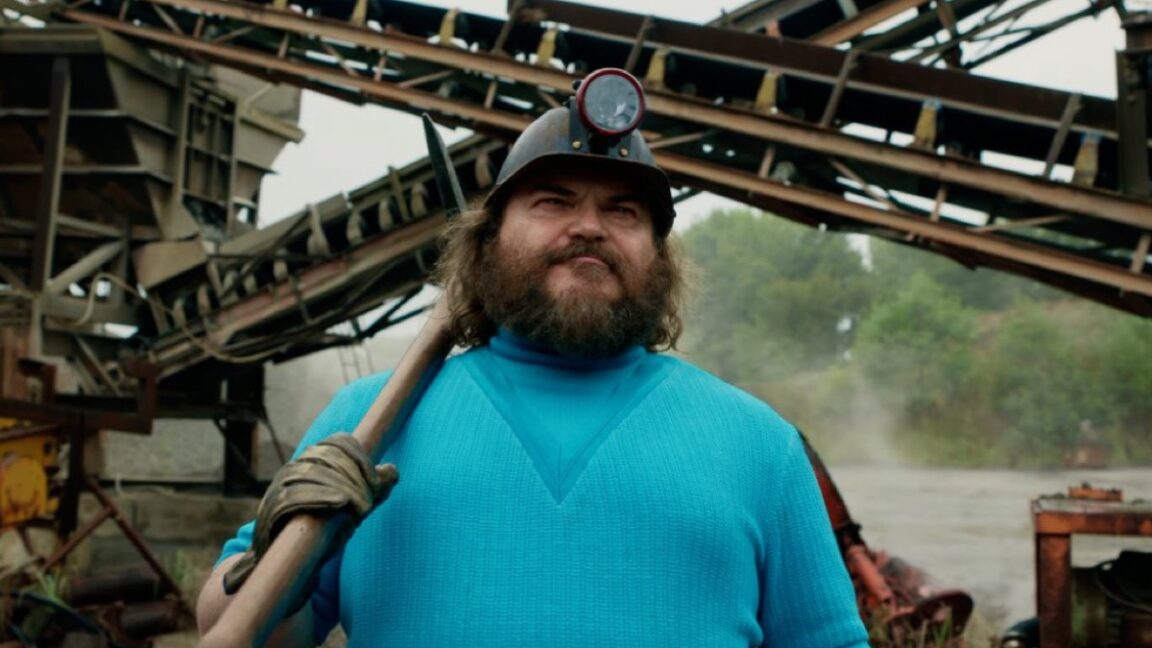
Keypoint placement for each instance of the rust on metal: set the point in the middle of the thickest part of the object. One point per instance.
(888, 589)
(1055, 520)
(1110, 207)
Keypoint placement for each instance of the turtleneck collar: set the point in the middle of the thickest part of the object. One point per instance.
(506, 344)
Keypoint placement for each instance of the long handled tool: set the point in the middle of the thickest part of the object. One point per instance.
(297, 551)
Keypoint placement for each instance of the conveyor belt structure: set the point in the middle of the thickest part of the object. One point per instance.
(842, 139)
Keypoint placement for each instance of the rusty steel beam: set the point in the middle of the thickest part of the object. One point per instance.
(287, 295)
(65, 414)
(831, 23)
(1074, 515)
(1020, 252)
(1132, 103)
(1097, 203)
(1103, 205)
(1029, 104)
(136, 539)
(1055, 521)
(1054, 589)
(415, 99)
(848, 29)
(51, 173)
(875, 72)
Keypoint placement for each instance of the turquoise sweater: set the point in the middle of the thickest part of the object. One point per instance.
(551, 502)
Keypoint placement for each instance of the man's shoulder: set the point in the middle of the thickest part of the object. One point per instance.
(698, 385)
(362, 390)
(691, 376)
(360, 393)
(710, 412)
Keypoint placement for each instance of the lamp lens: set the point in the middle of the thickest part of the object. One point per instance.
(612, 104)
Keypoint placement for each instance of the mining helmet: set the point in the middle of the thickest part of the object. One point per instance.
(597, 127)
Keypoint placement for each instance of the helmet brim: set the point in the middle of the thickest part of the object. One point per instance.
(651, 181)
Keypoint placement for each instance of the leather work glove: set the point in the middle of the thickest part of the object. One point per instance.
(334, 475)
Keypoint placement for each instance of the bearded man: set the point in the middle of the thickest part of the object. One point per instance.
(564, 483)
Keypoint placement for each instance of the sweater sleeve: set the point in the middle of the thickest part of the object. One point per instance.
(807, 597)
(342, 414)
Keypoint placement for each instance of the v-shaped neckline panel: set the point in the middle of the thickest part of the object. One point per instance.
(558, 475)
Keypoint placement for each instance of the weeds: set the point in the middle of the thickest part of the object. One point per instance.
(887, 631)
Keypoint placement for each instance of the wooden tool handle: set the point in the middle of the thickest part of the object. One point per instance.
(296, 552)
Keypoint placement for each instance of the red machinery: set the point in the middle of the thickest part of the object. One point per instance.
(893, 596)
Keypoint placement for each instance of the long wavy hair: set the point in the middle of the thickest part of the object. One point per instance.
(459, 272)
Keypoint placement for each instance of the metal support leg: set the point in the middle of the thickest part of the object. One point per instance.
(240, 436)
(109, 511)
(1132, 105)
(69, 510)
(1054, 589)
(52, 176)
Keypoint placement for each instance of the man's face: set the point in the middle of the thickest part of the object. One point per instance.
(593, 231)
(575, 265)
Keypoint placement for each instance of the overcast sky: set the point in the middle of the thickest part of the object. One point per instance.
(347, 146)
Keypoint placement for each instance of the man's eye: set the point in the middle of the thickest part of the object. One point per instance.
(551, 201)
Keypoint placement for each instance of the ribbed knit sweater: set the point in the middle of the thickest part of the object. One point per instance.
(546, 501)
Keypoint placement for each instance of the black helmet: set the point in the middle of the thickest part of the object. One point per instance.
(597, 127)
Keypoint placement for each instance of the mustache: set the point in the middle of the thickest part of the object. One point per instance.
(584, 249)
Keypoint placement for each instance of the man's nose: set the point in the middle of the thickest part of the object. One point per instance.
(587, 221)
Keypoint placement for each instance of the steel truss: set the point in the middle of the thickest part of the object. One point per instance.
(959, 33)
(808, 132)
(845, 140)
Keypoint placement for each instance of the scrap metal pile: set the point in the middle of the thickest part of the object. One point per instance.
(136, 283)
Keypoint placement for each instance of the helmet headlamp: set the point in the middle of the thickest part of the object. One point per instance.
(597, 129)
(610, 102)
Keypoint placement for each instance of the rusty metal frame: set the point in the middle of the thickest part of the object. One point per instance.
(52, 173)
(852, 27)
(310, 284)
(807, 60)
(109, 511)
(221, 310)
(1055, 521)
(1132, 105)
(1099, 204)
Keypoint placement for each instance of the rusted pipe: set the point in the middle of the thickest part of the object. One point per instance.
(130, 585)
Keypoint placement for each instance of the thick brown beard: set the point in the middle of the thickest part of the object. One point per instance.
(575, 324)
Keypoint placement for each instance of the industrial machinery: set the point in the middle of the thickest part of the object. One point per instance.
(890, 593)
(1109, 604)
(29, 457)
(183, 281)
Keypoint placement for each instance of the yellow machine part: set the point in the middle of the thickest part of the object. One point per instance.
(25, 463)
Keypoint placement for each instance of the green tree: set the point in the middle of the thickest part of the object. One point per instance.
(979, 288)
(917, 347)
(1044, 382)
(773, 295)
(1069, 373)
(945, 365)
(1124, 348)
